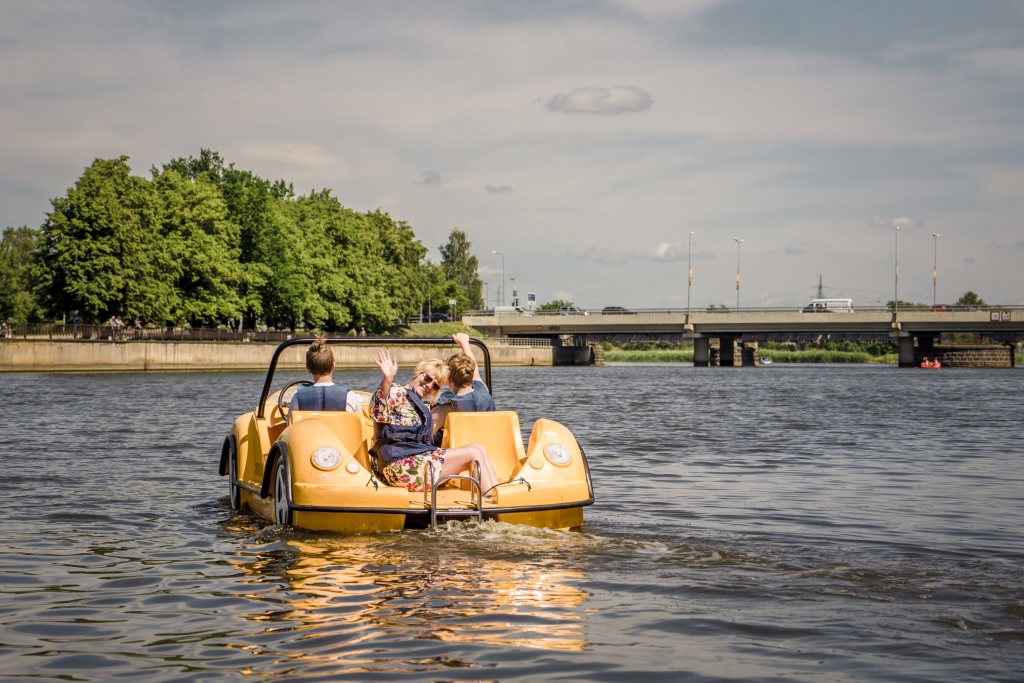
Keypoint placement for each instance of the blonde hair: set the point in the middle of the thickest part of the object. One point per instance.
(319, 357)
(460, 370)
(436, 367)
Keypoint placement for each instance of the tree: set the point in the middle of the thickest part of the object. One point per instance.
(969, 298)
(460, 265)
(554, 305)
(16, 299)
(891, 304)
(101, 251)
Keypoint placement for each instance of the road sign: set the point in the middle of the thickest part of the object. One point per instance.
(531, 297)
(993, 316)
(452, 302)
(1006, 316)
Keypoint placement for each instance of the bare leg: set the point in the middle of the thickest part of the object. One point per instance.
(458, 459)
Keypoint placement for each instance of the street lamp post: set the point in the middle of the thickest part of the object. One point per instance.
(487, 295)
(513, 290)
(896, 286)
(502, 290)
(935, 269)
(689, 270)
(738, 243)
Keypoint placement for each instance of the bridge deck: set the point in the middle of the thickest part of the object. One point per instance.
(1008, 320)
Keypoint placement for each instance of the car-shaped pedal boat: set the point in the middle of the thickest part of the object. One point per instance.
(314, 469)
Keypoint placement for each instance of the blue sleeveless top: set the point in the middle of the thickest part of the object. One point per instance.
(477, 401)
(333, 397)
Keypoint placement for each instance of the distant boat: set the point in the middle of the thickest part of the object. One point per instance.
(764, 361)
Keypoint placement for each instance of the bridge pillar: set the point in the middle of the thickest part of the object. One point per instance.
(750, 355)
(906, 352)
(701, 352)
(730, 356)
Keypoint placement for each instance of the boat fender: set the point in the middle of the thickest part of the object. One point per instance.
(225, 452)
(276, 451)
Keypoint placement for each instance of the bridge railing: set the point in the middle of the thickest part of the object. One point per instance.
(763, 309)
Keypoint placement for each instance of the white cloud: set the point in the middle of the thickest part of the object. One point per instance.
(666, 251)
(616, 100)
(289, 153)
(677, 251)
(886, 223)
(497, 189)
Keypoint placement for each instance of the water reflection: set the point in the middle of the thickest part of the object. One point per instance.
(357, 601)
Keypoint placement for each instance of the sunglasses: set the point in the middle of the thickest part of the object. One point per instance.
(431, 381)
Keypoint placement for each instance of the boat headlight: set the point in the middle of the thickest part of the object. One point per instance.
(326, 458)
(557, 454)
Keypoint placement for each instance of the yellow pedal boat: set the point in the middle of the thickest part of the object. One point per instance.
(269, 459)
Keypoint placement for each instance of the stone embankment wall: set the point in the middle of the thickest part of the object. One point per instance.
(105, 356)
(970, 355)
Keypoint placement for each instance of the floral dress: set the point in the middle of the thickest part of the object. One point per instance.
(410, 472)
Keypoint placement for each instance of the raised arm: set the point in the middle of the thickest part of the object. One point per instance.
(388, 369)
(462, 340)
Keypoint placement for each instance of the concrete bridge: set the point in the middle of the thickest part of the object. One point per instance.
(915, 329)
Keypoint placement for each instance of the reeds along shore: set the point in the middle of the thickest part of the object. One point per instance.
(776, 355)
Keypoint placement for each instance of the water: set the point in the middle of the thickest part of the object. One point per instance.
(802, 523)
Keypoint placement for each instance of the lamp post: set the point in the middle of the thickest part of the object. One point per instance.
(935, 269)
(487, 295)
(738, 243)
(502, 290)
(896, 286)
(513, 290)
(689, 269)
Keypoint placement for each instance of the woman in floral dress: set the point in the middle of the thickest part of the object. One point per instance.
(405, 435)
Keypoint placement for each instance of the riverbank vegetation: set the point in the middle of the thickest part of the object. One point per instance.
(202, 243)
(778, 352)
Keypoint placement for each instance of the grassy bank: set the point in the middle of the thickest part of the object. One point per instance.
(648, 356)
(819, 356)
(776, 355)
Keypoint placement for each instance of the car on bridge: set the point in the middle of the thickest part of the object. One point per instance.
(829, 306)
(571, 310)
(616, 310)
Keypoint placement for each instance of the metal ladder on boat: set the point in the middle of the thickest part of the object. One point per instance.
(476, 500)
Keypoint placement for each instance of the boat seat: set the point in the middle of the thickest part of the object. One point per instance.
(350, 428)
(496, 431)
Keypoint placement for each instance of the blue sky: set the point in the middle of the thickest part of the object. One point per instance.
(584, 140)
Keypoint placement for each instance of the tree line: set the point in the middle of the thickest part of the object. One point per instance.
(204, 243)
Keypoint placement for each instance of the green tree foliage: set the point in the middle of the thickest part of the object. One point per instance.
(969, 298)
(101, 249)
(205, 243)
(460, 266)
(891, 304)
(554, 305)
(16, 299)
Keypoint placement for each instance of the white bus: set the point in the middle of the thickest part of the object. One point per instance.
(829, 306)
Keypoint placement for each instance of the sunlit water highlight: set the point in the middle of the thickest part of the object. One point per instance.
(807, 523)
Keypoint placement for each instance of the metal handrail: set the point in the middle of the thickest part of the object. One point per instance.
(477, 501)
(375, 341)
(763, 309)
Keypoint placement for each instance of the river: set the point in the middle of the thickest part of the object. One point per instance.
(784, 523)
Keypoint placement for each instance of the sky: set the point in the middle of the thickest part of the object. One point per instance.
(584, 140)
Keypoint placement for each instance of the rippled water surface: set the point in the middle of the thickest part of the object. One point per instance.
(806, 523)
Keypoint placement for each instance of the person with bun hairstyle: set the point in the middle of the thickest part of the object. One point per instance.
(466, 391)
(324, 394)
(404, 433)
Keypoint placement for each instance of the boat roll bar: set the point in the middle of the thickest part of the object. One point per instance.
(368, 341)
